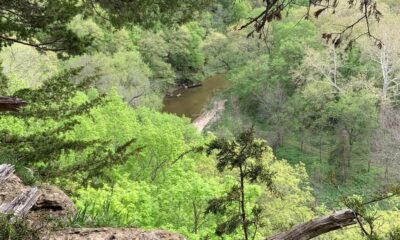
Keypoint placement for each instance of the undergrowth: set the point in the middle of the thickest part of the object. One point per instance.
(25, 174)
(89, 216)
(360, 182)
(12, 228)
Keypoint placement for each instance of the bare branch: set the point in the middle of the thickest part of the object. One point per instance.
(274, 8)
(38, 46)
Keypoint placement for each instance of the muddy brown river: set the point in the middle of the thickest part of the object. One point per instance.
(192, 102)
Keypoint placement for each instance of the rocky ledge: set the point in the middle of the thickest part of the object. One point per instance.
(43, 205)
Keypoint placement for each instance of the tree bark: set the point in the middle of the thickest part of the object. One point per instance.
(21, 205)
(242, 206)
(11, 104)
(319, 226)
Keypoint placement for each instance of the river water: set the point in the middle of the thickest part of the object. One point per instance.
(192, 102)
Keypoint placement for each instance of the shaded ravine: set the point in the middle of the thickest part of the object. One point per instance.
(192, 102)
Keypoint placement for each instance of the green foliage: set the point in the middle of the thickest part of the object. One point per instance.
(394, 234)
(324, 177)
(245, 155)
(303, 93)
(183, 188)
(263, 78)
(222, 51)
(149, 188)
(369, 214)
(124, 72)
(105, 38)
(316, 106)
(355, 111)
(185, 54)
(93, 214)
(39, 135)
(228, 13)
(155, 51)
(141, 64)
(27, 68)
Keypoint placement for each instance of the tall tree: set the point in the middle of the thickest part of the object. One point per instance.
(388, 60)
(244, 156)
(40, 133)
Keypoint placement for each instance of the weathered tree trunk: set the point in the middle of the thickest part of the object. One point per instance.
(320, 147)
(196, 216)
(11, 104)
(318, 226)
(21, 205)
(302, 143)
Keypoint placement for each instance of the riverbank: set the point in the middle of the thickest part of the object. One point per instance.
(209, 116)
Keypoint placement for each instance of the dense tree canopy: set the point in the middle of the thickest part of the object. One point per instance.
(96, 75)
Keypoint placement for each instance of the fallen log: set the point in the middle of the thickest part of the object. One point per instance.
(11, 104)
(195, 85)
(319, 226)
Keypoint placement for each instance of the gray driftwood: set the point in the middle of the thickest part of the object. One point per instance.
(21, 205)
(318, 226)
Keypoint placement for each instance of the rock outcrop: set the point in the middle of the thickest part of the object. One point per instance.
(113, 233)
(36, 204)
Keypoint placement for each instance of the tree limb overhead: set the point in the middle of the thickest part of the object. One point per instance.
(275, 9)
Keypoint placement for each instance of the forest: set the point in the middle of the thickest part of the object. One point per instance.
(303, 127)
